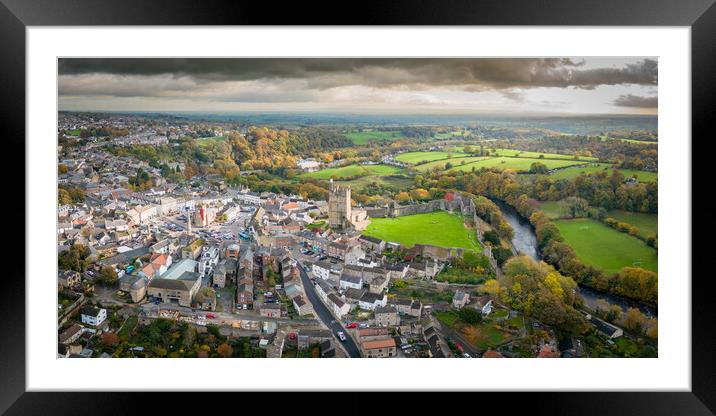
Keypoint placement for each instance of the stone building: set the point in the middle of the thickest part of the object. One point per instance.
(339, 206)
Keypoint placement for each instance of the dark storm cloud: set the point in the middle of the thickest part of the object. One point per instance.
(474, 74)
(629, 100)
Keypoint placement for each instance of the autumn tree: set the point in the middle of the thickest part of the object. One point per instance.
(634, 320)
(110, 339)
(491, 287)
(107, 276)
(225, 350)
(574, 207)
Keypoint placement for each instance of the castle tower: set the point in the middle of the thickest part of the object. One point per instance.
(339, 205)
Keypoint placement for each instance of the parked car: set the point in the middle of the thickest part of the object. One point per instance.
(352, 325)
(466, 355)
(210, 315)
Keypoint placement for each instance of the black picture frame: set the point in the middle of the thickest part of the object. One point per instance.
(16, 15)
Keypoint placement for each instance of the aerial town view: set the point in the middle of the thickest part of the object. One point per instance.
(357, 208)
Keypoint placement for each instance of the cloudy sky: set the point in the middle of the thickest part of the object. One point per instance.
(480, 85)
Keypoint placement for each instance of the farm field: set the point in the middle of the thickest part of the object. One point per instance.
(437, 228)
(646, 223)
(418, 157)
(363, 137)
(204, 141)
(639, 141)
(397, 182)
(450, 135)
(455, 162)
(550, 208)
(354, 170)
(526, 154)
(571, 173)
(605, 248)
(516, 163)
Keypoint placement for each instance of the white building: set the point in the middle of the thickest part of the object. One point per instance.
(252, 198)
(352, 282)
(338, 306)
(141, 214)
(308, 165)
(369, 301)
(93, 316)
(209, 260)
(321, 269)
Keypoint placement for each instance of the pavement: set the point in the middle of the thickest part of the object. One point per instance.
(327, 318)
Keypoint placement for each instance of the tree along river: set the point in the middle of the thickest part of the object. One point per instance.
(525, 242)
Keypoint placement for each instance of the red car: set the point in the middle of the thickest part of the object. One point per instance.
(210, 315)
(352, 325)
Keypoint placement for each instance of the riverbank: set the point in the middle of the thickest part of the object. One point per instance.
(525, 242)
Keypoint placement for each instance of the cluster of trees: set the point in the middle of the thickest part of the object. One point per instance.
(469, 316)
(107, 276)
(168, 338)
(70, 195)
(539, 291)
(501, 255)
(538, 168)
(75, 258)
(605, 189)
(106, 131)
(141, 181)
(491, 213)
(632, 320)
(622, 226)
(415, 194)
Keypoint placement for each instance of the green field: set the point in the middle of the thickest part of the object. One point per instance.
(397, 182)
(363, 137)
(551, 209)
(73, 132)
(646, 223)
(516, 163)
(605, 248)
(523, 153)
(354, 170)
(452, 134)
(437, 228)
(204, 141)
(639, 141)
(455, 162)
(571, 173)
(418, 157)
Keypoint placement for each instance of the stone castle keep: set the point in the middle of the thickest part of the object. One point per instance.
(340, 212)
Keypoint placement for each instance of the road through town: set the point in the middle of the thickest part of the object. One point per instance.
(325, 315)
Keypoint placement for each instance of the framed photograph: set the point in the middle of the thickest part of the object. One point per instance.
(392, 205)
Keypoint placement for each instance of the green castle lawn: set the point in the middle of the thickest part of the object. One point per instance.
(437, 228)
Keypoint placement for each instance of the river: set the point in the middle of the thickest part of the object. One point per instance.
(525, 242)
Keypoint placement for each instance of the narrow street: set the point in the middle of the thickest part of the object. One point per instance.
(325, 315)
